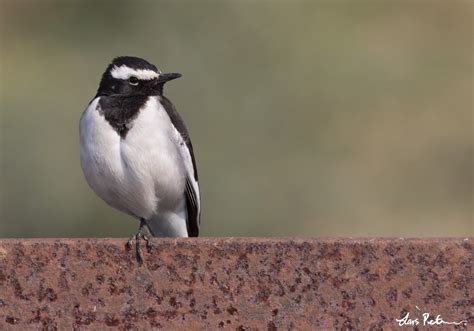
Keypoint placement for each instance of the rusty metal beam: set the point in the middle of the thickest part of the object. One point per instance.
(234, 283)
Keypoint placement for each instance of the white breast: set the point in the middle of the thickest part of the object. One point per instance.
(142, 174)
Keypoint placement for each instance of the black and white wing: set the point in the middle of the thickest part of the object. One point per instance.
(192, 194)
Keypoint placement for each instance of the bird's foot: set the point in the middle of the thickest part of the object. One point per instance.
(137, 238)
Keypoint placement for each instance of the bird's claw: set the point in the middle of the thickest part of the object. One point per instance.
(136, 238)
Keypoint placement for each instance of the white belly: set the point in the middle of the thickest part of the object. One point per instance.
(142, 174)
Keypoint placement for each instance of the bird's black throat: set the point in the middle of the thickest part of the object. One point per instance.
(120, 111)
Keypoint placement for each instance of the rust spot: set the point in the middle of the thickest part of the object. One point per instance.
(11, 320)
(111, 320)
(83, 317)
(271, 326)
(151, 313)
(46, 293)
(392, 295)
(174, 303)
(407, 293)
(232, 310)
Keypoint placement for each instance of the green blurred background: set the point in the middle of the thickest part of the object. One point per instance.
(309, 118)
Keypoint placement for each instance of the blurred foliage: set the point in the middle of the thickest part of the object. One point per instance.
(309, 118)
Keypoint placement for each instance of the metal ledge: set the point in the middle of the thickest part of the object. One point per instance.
(235, 283)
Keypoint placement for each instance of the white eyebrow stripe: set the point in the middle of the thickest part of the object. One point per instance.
(124, 72)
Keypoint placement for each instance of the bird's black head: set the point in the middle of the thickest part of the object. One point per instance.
(128, 75)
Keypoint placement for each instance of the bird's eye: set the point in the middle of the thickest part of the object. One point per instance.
(133, 81)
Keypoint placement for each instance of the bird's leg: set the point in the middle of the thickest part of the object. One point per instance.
(142, 233)
(146, 232)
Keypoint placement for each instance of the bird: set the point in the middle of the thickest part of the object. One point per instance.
(136, 153)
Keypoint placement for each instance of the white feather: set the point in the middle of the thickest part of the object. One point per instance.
(124, 72)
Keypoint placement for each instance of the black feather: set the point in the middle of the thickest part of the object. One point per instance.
(120, 111)
(191, 199)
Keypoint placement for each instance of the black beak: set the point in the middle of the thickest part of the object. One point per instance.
(163, 78)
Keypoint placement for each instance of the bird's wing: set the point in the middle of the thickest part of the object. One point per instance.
(192, 194)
